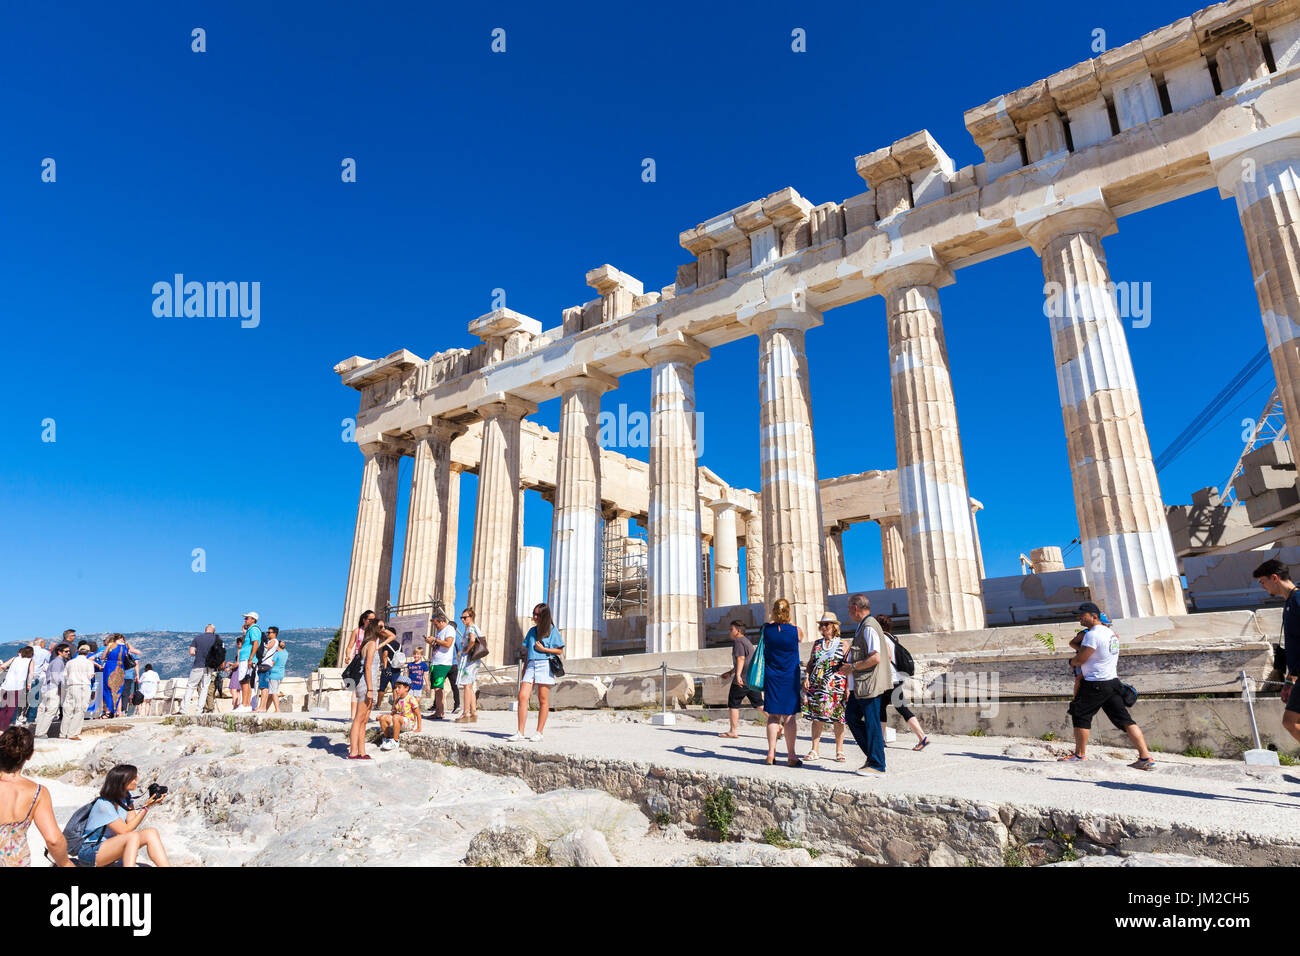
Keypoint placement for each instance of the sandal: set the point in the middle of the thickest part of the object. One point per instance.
(812, 755)
(839, 757)
(1143, 764)
(925, 742)
(795, 763)
(1072, 757)
(731, 736)
(770, 761)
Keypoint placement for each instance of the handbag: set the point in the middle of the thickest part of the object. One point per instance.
(757, 669)
(1129, 694)
(557, 665)
(479, 650)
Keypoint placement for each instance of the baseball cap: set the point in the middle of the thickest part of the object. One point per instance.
(252, 614)
(403, 680)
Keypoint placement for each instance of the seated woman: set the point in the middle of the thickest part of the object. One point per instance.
(113, 828)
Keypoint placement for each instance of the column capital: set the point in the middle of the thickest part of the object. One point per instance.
(839, 527)
(497, 404)
(789, 311)
(381, 447)
(724, 502)
(676, 347)
(917, 267)
(582, 378)
(1083, 212)
(439, 428)
(976, 505)
(1280, 142)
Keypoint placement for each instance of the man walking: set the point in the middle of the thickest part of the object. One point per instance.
(742, 653)
(1275, 578)
(1101, 688)
(53, 688)
(248, 658)
(196, 691)
(80, 675)
(873, 678)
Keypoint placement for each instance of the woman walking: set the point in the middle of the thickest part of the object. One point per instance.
(781, 680)
(826, 684)
(468, 673)
(24, 802)
(542, 643)
(16, 688)
(366, 693)
(896, 697)
(113, 828)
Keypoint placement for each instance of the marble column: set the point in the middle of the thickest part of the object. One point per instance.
(706, 575)
(424, 559)
(1262, 172)
(1128, 556)
(755, 576)
(943, 579)
(370, 574)
(791, 505)
(893, 552)
(575, 592)
(836, 576)
(674, 619)
(726, 555)
(494, 558)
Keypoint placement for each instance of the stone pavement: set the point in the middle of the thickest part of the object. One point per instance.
(1221, 798)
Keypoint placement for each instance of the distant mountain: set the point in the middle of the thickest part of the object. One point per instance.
(169, 651)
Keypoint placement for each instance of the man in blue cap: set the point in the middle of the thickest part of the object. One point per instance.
(1100, 689)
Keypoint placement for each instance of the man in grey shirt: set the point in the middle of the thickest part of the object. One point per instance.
(53, 688)
(200, 674)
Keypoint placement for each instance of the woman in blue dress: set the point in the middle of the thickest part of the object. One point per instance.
(781, 680)
(114, 678)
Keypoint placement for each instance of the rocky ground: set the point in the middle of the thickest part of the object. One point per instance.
(289, 798)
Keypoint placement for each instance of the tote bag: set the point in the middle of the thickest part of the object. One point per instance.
(754, 678)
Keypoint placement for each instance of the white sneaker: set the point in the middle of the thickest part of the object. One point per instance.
(536, 738)
(242, 710)
(514, 737)
(389, 744)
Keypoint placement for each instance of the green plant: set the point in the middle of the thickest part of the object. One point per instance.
(663, 818)
(1049, 736)
(331, 658)
(978, 732)
(720, 810)
(1287, 760)
(1156, 748)
(56, 769)
(1204, 752)
(773, 836)
(229, 724)
(1047, 640)
(1068, 854)
(1013, 855)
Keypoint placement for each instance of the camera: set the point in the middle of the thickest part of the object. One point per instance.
(157, 790)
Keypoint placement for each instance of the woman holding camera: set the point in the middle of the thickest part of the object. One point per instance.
(113, 828)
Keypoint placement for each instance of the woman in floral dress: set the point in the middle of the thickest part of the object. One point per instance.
(826, 685)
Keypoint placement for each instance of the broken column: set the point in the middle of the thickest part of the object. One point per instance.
(943, 568)
(791, 504)
(576, 538)
(836, 577)
(726, 556)
(429, 534)
(1262, 172)
(370, 573)
(675, 615)
(1046, 559)
(1128, 556)
(893, 553)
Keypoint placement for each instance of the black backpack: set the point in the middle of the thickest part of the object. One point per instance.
(903, 662)
(216, 655)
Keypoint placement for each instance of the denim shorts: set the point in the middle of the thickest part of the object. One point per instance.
(538, 672)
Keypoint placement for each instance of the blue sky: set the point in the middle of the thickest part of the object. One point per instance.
(477, 171)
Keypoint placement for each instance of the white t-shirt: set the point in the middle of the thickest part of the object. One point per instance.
(1105, 653)
(40, 660)
(149, 684)
(16, 676)
(80, 671)
(443, 656)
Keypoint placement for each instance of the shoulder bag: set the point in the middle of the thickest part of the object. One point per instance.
(757, 669)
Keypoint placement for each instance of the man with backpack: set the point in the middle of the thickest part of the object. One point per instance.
(209, 654)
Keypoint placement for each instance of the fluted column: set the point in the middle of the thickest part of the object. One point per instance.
(674, 621)
(791, 504)
(755, 574)
(943, 579)
(726, 556)
(494, 558)
(1128, 556)
(451, 535)
(370, 573)
(893, 552)
(836, 576)
(1262, 172)
(424, 558)
(576, 539)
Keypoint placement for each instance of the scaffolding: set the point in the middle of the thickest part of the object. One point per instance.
(624, 566)
(1271, 427)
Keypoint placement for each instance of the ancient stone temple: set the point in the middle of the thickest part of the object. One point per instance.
(1212, 101)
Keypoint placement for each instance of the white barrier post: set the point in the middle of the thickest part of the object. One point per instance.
(1259, 757)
